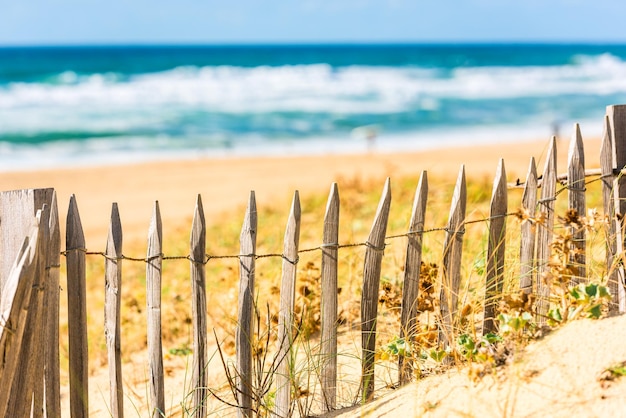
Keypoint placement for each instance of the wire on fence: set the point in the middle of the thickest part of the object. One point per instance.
(209, 257)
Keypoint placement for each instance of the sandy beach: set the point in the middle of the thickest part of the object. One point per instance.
(225, 183)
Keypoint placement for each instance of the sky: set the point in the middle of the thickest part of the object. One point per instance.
(59, 22)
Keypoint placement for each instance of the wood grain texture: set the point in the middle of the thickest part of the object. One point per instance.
(371, 285)
(495, 250)
(15, 307)
(617, 123)
(154, 270)
(198, 311)
(412, 269)
(545, 230)
(244, 334)
(576, 189)
(51, 306)
(27, 390)
(284, 376)
(608, 179)
(154, 264)
(112, 305)
(77, 313)
(451, 264)
(330, 251)
(17, 211)
(528, 232)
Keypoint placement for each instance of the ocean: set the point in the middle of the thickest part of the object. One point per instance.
(80, 105)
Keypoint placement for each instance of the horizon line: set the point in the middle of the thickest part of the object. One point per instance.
(337, 43)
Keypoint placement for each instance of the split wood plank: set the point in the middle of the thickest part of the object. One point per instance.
(15, 307)
(412, 269)
(375, 247)
(608, 180)
(617, 122)
(112, 305)
(495, 250)
(452, 253)
(576, 189)
(528, 232)
(199, 314)
(154, 270)
(284, 376)
(244, 334)
(330, 250)
(77, 313)
(545, 231)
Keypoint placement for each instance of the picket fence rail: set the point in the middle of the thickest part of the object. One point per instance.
(30, 261)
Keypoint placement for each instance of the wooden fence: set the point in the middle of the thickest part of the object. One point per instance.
(29, 283)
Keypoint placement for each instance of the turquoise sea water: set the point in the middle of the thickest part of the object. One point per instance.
(84, 105)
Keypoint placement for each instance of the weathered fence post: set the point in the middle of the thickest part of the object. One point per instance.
(576, 196)
(52, 369)
(77, 313)
(27, 388)
(545, 231)
(528, 232)
(371, 285)
(112, 304)
(15, 305)
(154, 269)
(17, 211)
(412, 268)
(452, 253)
(330, 250)
(608, 179)
(495, 250)
(244, 336)
(284, 376)
(198, 311)
(617, 122)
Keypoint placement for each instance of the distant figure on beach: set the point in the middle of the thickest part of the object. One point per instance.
(555, 128)
(367, 132)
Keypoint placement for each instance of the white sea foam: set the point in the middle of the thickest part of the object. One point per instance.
(129, 106)
(316, 88)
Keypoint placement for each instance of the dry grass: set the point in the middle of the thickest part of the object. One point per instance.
(358, 204)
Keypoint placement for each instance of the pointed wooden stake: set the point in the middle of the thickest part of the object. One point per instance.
(412, 269)
(576, 195)
(545, 230)
(52, 378)
(112, 305)
(528, 232)
(244, 334)
(371, 285)
(495, 250)
(198, 311)
(328, 374)
(77, 313)
(452, 252)
(608, 179)
(284, 375)
(154, 269)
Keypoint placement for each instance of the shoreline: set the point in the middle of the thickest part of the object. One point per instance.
(225, 183)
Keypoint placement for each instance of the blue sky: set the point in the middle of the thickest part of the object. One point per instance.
(260, 21)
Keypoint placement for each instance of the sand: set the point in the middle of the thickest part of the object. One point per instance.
(225, 184)
(559, 376)
(566, 383)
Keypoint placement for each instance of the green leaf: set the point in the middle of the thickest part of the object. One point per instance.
(492, 338)
(437, 355)
(591, 289)
(604, 292)
(573, 291)
(595, 311)
(555, 315)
